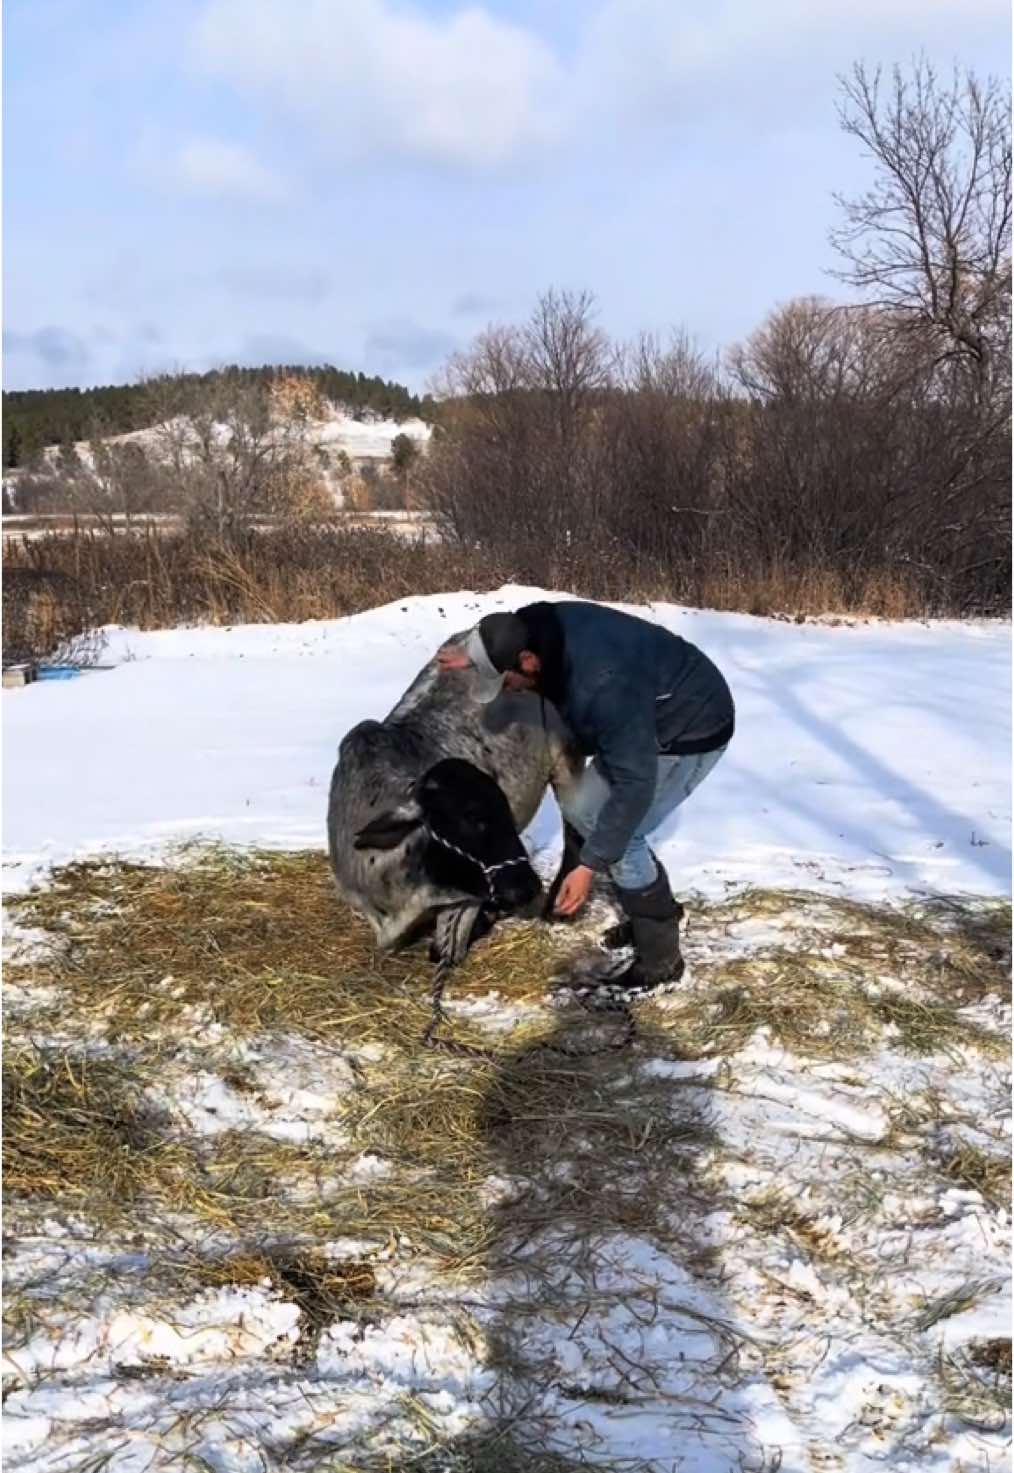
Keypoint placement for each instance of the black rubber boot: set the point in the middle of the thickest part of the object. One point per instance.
(573, 843)
(617, 937)
(653, 917)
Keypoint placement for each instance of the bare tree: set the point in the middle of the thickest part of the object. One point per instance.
(230, 452)
(109, 481)
(930, 240)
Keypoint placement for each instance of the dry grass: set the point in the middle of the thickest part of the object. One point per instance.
(78, 1128)
(322, 1289)
(58, 585)
(817, 999)
(799, 592)
(140, 961)
(145, 959)
(976, 1384)
(774, 1211)
(254, 942)
(257, 942)
(155, 578)
(971, 1167)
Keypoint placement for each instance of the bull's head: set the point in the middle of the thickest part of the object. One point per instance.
(472, 845)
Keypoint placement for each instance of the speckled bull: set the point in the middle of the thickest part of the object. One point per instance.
(426, 809)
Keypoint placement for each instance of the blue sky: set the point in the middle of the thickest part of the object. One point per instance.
(369, 182)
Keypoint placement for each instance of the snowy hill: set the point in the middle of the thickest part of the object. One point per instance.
(361, 438)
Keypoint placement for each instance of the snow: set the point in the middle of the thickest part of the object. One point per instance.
(871, 760)
(369, 438)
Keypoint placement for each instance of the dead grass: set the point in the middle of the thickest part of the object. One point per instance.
(322, 1289)
(145, 958)
(821, 997)
(255, 942)
(79, 1128)
(60, 584)
(956, 948)
(976, 1384)
(140, 959)
(774, 1211)
(992, 1355)
(980, 1171)
(494, 1450)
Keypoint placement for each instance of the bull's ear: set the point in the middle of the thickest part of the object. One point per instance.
(386, 831)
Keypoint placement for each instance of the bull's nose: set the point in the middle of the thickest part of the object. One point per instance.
(523, 894)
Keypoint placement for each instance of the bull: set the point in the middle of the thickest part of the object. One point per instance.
(426, 809)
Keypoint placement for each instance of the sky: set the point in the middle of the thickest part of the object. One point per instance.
(371, 182)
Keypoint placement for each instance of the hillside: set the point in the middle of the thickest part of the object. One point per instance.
(36, 418)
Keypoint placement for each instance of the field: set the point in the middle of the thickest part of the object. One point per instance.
(410, 524)
(253, 1225)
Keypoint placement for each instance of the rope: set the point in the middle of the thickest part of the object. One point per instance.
(487, 869)
(458, 1050)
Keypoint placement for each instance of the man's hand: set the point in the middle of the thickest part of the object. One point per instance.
(574, 891)
(452, 657)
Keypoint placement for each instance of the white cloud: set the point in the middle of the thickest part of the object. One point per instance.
(470, 90)
(465, 89)
(225, 170)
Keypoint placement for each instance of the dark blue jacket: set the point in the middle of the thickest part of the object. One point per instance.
(631, 692)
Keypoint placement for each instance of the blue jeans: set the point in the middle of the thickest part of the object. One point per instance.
(677, 778)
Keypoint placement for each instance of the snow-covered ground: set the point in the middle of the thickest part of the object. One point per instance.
(871, 760)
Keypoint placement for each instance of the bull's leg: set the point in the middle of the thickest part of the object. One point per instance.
(572, 844)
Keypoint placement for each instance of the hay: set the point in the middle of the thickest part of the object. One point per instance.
(980, 1171)
(257, 942)
(78, 1129)
(254, 942)
(957, 947)
(146, 958)
(141, 962)
(322, 1289)
(815, 1006)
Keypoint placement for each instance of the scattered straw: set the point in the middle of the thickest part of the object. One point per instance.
(78, 1128)
(258, 942)
(514, 1163)
(956, 947)
(980, 1171)
(254, 942)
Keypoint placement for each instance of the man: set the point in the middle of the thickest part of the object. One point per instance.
(653, 713)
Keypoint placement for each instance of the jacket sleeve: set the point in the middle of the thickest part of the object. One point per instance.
(622, 727)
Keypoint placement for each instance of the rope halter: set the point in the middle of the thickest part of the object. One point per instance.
(488, 870)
